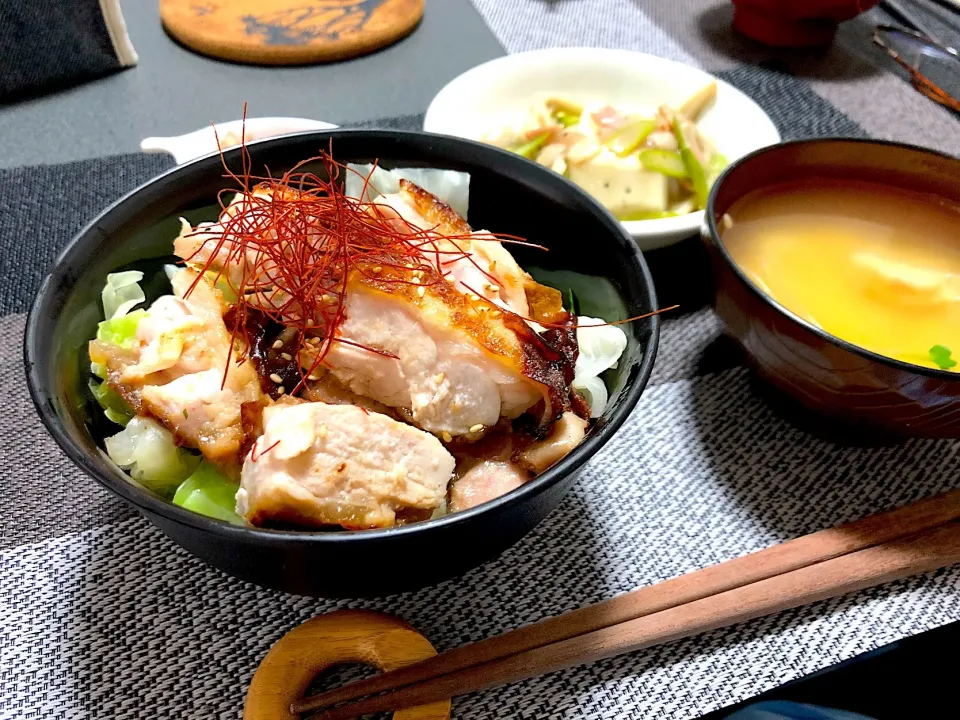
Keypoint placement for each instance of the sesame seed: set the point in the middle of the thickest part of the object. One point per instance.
(493, 266)
(281, 390)
(492, 288)
(276, 378)
(377, 270)
(416, 280)
(315, 341)
(313, 377)
(421, 290)
(440, 377)
(727, 221)
(474, 297)
(476, 428)
(286, 356)
(447, 437)
(322, 432)
(277, 344)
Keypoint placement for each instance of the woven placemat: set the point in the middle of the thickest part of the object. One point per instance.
(102, 616)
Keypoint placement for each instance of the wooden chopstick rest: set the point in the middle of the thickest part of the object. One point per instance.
(336, 638)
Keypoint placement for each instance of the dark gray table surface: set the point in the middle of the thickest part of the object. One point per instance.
(172, 90)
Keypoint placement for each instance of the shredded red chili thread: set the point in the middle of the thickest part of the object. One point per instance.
(287, 246)
(292, 242)
(544, 323)
(254, 455)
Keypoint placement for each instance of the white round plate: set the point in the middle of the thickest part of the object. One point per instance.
(498, 94)
(203, 141)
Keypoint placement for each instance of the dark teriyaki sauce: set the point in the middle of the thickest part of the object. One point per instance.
(272, 348)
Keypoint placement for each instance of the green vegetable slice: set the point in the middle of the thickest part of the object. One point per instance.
(566, 118)
(646, 215)
(114, 406)
(695, 171)
(630, 137)
(530, 148)
(210, 493)
(940, 354)
(122, 330)
(223, 285)
(717, 164)
(665, 162)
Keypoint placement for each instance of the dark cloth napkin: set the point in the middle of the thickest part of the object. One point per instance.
(49, 44)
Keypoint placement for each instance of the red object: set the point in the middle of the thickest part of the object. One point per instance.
(795, 23)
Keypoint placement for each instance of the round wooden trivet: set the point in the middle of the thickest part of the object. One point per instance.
(289, 32)
(337, 638)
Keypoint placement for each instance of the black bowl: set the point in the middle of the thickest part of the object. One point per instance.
(508, 195)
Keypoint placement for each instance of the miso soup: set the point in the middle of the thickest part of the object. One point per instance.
(873, 265)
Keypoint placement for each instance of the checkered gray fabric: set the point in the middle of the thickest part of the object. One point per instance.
(102, 616)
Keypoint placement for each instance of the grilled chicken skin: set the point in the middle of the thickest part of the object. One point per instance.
(475, 262)
(457, 364)
(447, 347)
(318, 464)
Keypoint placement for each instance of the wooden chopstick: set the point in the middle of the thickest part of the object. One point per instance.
(924, 551)
(775, 560)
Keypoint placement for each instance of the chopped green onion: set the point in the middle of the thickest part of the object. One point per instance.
(665, 162)
(530, 148)
(122, 330)
(695, 171)
(114, 406)
(210, 493)
(630, 137)
(940, 355)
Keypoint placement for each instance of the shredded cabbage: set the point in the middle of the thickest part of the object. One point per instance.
(449, 185)
(114, 406)
(121, 330)
(148, 452)
(600, 348)
(121, 293)
(208, 492)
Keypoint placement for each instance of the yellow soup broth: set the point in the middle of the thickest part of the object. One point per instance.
(875, 266)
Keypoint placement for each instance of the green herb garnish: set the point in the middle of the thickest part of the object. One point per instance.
(572, 302)
(940, 354)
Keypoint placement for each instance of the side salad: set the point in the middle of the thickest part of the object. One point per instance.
(641, 167)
